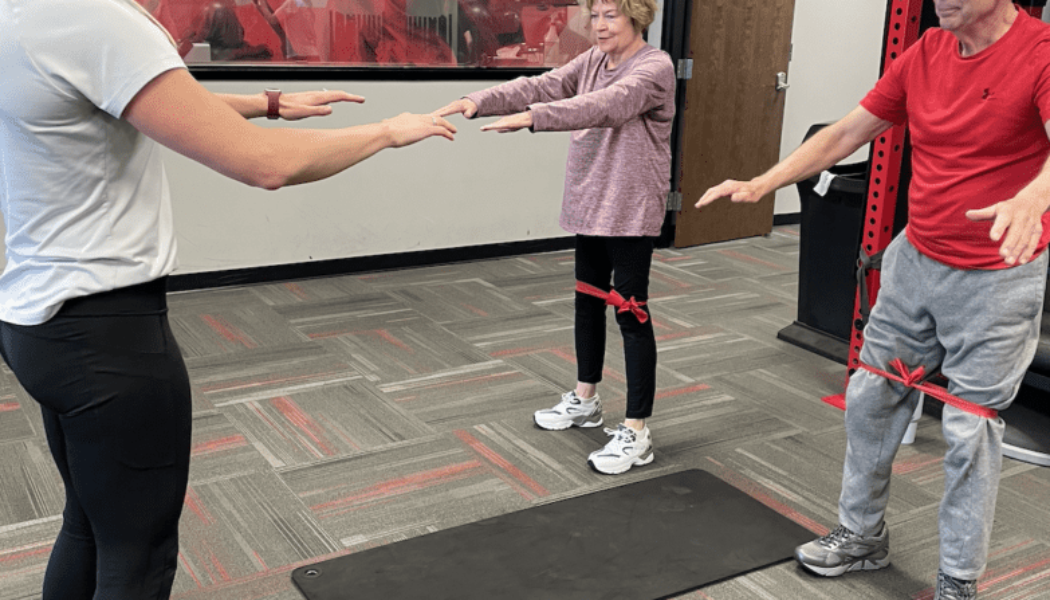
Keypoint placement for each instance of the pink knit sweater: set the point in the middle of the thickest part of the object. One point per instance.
(619, 168)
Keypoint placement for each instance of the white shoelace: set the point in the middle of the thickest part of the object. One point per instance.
(622, 436)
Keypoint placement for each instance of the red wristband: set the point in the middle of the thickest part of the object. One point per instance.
(273, 104)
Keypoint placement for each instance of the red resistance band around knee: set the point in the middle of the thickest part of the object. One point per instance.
(613, 298)
(913, 379)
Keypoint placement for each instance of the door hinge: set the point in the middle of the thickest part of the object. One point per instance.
(685, 68)
(674, 201)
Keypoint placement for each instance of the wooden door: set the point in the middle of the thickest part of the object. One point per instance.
(734, 113)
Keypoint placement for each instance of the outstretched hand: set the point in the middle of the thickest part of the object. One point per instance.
(511, 123)
(300, 105)
(408, 128)
(462, 106)
(1022, 223)
(737, 191)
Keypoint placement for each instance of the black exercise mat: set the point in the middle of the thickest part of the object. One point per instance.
(642, 541)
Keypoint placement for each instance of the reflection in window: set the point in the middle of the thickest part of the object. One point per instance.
(431, 33)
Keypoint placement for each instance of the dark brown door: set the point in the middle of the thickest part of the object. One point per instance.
(734, 112)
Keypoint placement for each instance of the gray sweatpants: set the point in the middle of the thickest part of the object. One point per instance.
(981, 328)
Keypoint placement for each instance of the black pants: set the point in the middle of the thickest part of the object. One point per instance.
(115, 398)
(625, 261)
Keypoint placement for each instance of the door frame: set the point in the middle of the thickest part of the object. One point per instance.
(675, 41)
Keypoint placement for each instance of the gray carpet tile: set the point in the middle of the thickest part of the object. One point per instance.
(411, 489)
(333, 415)
(517, 333)
(24, 549)
(15, 422)
(238, 526)
(18, 412)
(451, 400)
(402, 349)
(30, 486)
(459, 300)
(309, 290)
(266, 372)
(236, 322)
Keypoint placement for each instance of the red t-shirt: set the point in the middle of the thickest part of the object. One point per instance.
(977, 134)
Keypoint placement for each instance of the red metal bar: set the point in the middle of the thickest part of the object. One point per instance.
(902, 31)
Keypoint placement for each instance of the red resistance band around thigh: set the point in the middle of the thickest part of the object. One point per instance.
(913, 379)
(613, 298)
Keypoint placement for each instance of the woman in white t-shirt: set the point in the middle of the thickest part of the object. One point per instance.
(90, 88)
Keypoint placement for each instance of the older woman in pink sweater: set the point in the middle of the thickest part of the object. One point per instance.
(617, 99)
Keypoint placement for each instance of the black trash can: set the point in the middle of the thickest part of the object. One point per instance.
(830, 233)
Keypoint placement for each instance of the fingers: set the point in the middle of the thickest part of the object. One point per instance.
(330, 96)
(1022, 237)
(446, 129)
(983, 214)
(1017, 224)
(510, 123)
(500, 128)
(999, 226)
(346, 97)
(1033, 244)
(445, 111)
(726, 188)
(464, 107)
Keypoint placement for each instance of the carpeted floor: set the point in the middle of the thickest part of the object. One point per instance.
(335, 415)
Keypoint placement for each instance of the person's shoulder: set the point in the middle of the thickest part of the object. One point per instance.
(654, 55)
(69, 9)
(1038, 32)
(1035, 26)
(1035, 41)
(654, 60)
(79, 22)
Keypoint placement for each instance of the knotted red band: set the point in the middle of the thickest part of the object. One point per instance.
(613, 298)
(913, 379)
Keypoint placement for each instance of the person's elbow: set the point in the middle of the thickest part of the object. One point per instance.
(270, 179)
(262, 176)
(261, 166)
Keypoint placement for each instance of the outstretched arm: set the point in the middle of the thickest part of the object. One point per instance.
(1020, 218)
(294, 106)
(181, 114)
(823, 150)
(641, 91)
(516, 95)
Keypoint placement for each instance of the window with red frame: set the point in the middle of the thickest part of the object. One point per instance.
(422, 33)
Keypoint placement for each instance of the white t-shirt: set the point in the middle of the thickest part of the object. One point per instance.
(83, 194)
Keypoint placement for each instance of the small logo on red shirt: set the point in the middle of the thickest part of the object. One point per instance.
(987, 94)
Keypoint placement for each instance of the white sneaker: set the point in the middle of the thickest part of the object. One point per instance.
(572, 410)
(628, 448)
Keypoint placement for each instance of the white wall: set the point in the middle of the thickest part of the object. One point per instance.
(836, 53)
(483, 188)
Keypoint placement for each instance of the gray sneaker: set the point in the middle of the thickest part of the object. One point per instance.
(572, 410)
(842, 550)
(950, 588)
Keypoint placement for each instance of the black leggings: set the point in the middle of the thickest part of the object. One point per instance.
(115, 398)
(625, 261)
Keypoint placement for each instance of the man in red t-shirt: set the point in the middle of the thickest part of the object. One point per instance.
(962, 288)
